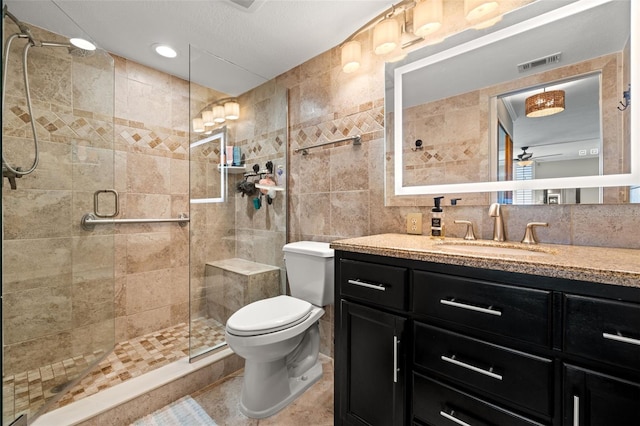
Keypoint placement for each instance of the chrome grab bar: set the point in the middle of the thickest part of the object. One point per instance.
(89, 221)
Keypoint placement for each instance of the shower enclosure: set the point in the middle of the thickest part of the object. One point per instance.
(57, 279)
(71, 295)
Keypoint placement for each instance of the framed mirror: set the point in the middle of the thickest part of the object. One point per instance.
(465, 101)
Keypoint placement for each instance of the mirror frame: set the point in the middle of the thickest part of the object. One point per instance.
(621, 179)
(218, 134)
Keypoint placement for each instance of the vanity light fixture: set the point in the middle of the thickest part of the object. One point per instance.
(231, 110)
(198, 125)
(544, 104)
(351, 55)
(392, 35)
(427, 17)
(216, 113)
(207, 118)
(164, 50)
(386, 36)
(476, 10)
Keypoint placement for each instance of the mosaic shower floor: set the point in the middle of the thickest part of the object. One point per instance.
(28, 391)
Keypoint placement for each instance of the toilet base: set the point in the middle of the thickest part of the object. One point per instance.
(297, 385)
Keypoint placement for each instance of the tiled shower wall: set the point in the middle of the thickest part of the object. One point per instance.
(338, 192)
(235, 229)
(57, 278)
(261, 134)
(152, 178)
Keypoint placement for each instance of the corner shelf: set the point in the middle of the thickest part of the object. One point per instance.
(234, 170)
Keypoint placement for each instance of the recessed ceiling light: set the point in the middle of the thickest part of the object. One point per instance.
(82, 43)
(164, 50)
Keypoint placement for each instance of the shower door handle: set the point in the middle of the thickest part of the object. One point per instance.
(96, 202)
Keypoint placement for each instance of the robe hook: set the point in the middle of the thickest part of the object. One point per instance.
(627, 99)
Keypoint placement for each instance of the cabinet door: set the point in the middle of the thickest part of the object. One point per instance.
(373, 378)
(593, 399)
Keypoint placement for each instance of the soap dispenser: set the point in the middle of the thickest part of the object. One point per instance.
(437, 224)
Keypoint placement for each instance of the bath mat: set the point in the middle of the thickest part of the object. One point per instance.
(185, 411)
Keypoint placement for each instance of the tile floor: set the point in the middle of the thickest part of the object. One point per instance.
(312, 408)
(27, 392)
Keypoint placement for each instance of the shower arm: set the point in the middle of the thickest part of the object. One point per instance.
(24, 29)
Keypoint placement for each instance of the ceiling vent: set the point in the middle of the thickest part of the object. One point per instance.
(247, 5)
(551, 59)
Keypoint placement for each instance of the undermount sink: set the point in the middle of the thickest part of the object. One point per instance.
(493, 248)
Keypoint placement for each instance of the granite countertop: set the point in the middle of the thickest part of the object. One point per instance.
(615, 266)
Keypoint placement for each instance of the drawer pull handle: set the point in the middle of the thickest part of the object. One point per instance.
(471, 307)
(396, 342)
(623, 339)
(453, 419)
(576, 410)
(454, 361)
(367, 285)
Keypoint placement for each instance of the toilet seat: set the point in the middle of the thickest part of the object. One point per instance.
(268, 316)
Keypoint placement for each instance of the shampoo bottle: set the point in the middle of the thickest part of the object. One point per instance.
(437, 224)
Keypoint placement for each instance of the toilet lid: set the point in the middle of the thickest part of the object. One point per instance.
(268, 316)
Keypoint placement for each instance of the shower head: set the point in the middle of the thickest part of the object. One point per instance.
(80, 53)
(73, 50)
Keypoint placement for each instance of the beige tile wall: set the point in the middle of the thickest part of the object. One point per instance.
(57, 278)
(151, 163)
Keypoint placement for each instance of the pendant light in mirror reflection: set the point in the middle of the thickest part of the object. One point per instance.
(393, 33)
(545, 103)
(215, 114)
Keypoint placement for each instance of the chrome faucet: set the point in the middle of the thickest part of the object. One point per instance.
(498, 224)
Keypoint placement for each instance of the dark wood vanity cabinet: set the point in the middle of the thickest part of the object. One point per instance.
(371, 306)
(592, 398)
(375, 364)
(422, 343)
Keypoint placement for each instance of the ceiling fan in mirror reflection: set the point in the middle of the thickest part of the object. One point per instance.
(525, 158)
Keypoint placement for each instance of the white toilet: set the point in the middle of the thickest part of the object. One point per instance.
(279, 337)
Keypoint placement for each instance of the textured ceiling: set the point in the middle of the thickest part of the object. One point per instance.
(245, 47)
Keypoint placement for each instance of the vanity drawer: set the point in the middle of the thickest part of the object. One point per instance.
(515, 376)
(383, 285)
(516, 312)
(604, 330)
(438, 404)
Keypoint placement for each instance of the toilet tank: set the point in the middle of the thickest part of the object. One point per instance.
(310, 271)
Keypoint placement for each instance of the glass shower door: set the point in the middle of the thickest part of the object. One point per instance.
(57, 278)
